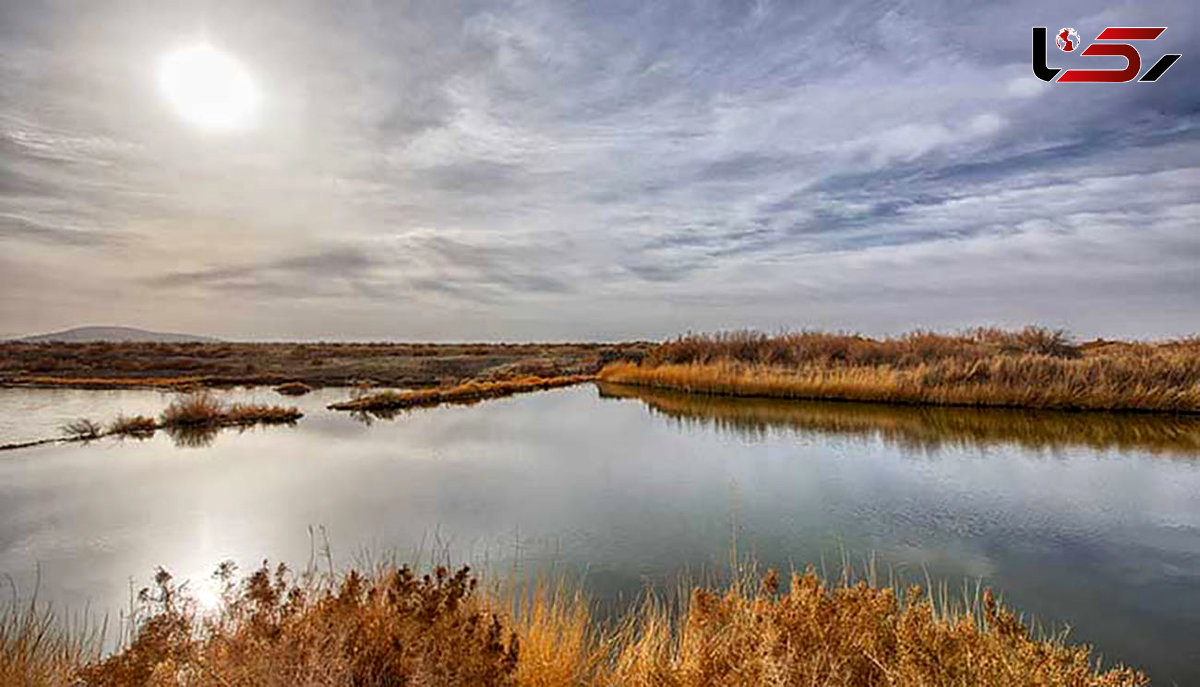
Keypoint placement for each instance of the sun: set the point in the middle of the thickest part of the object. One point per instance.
(209, 88)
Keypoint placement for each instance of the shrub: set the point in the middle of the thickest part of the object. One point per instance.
(193, 409)
(395, 627)
(82, 429)
(135, 425)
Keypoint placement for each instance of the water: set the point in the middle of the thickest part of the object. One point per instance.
(1086, 520)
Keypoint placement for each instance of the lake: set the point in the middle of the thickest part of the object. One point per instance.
(1086, 520)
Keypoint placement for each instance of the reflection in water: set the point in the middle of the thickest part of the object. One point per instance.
(203, 437)
(192, 437)
(923, 427)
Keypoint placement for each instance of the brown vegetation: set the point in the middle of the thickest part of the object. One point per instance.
(204, 410)
(82, 429)
(1031, 368)
(394, 627)
(467, 393)
(175, 365)
(191, 420)
(133, 425)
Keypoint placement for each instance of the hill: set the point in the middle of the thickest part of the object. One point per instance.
(121, 334)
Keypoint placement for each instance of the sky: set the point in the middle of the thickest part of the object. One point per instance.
(557, 170)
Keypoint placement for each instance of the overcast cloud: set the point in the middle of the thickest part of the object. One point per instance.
(546, 169)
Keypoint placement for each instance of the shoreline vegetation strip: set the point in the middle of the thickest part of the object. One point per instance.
(393, 625)
(193, 412)
(1031, 368)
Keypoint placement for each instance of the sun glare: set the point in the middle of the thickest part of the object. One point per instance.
(208, 88)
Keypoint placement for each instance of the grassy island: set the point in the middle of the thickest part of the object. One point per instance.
(1029, 368)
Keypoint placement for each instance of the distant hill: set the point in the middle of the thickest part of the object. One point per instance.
(88, 334)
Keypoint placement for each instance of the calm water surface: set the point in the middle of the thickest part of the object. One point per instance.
(1086, 520)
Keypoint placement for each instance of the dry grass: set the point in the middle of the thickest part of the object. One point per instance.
(204, 410)
(466, 393)
(133, 425)
(317, 364)
(394, 627)
(1031, 368)
(36, 650)
(82, 429)
(191, 420)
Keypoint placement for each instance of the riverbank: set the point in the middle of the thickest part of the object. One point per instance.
(1032, 368)
(186, 366)
(394, 626)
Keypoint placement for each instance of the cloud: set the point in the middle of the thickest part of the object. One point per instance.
(555, 170)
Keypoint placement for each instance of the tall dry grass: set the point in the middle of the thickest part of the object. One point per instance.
(395, 627)
(205, 410)
(1030, 368)
(35, 649)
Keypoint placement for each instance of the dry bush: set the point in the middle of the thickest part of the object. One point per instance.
(82, 429)
(393, 627)
(193, 409)
(204, 410)
(259, 413)
(133, 425)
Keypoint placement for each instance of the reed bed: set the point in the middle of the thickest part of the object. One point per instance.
(394, 627)
(465, 393)
(35, 649)
(204, 410)
(1030, 368)
(133, 425)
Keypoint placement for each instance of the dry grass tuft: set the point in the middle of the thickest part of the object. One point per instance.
(82, 429)
(133, 425)
(204, 410)
(260, 413)
(36, 651)
(466, 393)
(1030, 368)
(846, 635)
(393, 627)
